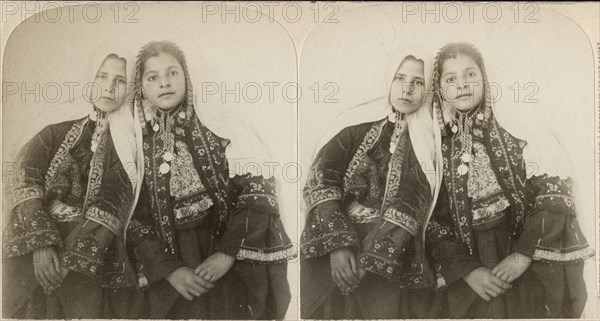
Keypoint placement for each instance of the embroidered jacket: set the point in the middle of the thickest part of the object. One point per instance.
(239, 215)
(343, 189)
(54, 202)
(541, 210)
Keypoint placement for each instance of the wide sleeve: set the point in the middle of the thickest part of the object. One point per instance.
(110, 198)
(152, 257)
(327, 227)
(450, 257)
(254, 231)
(29, 226)
(394, 242)
(551, 232)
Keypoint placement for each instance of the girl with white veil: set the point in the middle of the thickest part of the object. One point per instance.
(70, 202)
(369, 195)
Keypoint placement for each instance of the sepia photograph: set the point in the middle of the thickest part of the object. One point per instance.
(146, 158)
(451, 173)
(300, 160)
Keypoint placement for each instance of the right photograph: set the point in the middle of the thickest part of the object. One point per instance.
(448, 166)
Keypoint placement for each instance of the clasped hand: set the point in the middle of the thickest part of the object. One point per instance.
(345, 270)
(492, 283)
(193, 283)
(47, 269)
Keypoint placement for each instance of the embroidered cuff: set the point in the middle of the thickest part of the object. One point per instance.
(555, 194)
(21, 194)
(384, 257)
(27, 233)
(84, 255)
(105, 219)
(328, 243)
(267, 256)
(562, 257)
(326, 230)
(256, 236)
(403, 220)
(257, 193)
(315, 197)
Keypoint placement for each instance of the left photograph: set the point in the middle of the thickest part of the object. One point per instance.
(144, 175)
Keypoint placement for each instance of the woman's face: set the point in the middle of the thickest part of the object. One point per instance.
(408, 87)
(461, 83)
(163, 81)
(111, 78)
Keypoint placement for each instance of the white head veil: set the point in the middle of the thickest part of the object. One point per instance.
(120, 121)
(126, 137)
(420, 122)
(123, 132)
(424, 133)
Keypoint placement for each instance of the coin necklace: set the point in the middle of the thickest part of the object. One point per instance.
(463, 126)
(164, 123)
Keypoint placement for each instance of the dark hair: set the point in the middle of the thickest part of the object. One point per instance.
(452, 50)
(154, 49)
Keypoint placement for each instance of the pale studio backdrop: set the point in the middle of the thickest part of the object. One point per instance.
(544, 69)
(251, 61)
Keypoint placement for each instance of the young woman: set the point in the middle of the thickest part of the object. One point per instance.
(70, 203)
(206, 247)
(369, 194)
(506, 241)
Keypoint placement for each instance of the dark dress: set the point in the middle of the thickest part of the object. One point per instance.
(535, 217)
(195, 210)
(54, 201)
(355, 187)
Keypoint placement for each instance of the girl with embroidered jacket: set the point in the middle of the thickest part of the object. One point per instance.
(206, 247)
(70, 202)
(506, 242)
(369, 195)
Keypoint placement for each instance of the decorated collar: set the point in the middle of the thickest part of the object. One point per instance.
(101, 119)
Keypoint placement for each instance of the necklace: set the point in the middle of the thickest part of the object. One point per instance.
(101, 120)
(462, 127)
(163, 123)
(399, 126)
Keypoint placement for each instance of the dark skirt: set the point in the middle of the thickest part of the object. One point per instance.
(374, 298)
(78, 297)
(247, 291)
(528, 297)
